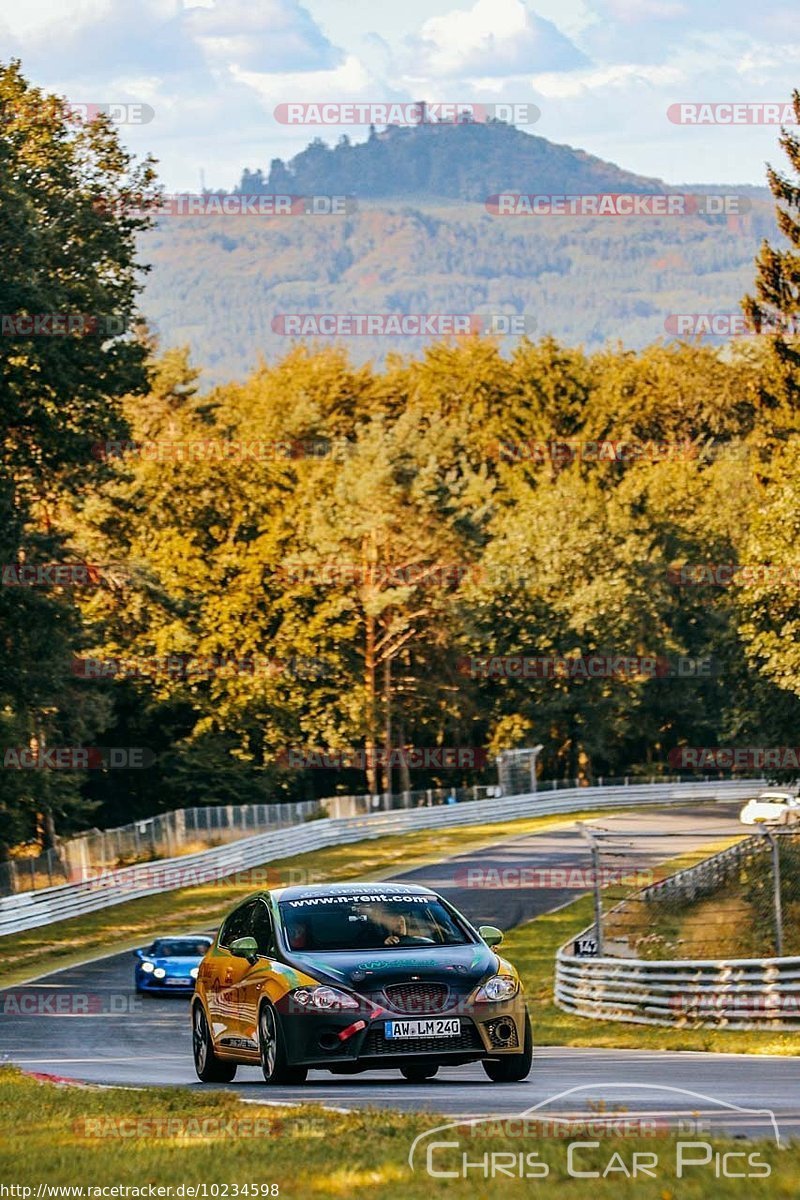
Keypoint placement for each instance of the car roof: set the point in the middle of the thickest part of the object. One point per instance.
(368, 888)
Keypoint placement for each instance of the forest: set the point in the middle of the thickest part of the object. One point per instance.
(277, 586)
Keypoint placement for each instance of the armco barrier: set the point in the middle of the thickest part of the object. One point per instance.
(739, 993)
(27, 910)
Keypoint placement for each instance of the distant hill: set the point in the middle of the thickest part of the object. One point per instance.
(421, 241)
(460, 162)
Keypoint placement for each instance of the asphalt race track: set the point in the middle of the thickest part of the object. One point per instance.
(104, 1033)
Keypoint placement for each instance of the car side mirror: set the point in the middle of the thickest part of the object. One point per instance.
(246, 947)
(490, 934)
(138, 954)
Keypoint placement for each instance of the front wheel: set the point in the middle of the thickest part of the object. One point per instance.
(418, 1074)
(512, 1068)
(209, 1068)
(273, 1050)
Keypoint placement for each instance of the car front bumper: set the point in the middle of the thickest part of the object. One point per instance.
(178, 985)
(358, 1038)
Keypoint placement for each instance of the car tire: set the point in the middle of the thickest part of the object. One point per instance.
(272, 1049)
(418, 1074)
(512, 1068)
(208, 1067)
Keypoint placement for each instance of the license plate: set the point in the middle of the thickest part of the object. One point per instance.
(179, 982)
(436, 1027)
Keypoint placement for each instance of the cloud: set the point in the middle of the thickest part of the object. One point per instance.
(494, 37)
(655, 29)
(271, 35)
(156, 37)
(115, 39)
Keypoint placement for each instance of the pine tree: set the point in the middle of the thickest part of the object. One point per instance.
(776, 305)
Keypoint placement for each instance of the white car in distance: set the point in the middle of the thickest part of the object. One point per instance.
(771, 808)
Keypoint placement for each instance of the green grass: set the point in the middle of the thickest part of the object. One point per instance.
(734, 920)
(167, 1137)
(532, 948)
(130, 924)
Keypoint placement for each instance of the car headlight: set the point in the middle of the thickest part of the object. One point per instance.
(159, 972)
(147, 967)
(194, 971)
(499, 987)
(323, 997)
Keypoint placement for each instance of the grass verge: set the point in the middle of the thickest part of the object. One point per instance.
(532, 948)
(169, 1137)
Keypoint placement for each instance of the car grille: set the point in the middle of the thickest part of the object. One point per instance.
(376, 1044)
(417, 998)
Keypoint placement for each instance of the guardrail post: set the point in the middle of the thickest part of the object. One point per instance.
(776, 889)
(594, 846)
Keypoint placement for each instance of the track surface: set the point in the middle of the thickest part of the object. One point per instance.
(104, 1033)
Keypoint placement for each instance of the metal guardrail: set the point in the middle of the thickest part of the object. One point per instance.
(737, 993)
(28, 910)
(189, 830)
(164, 835)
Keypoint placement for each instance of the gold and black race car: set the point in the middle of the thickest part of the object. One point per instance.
(356, 977)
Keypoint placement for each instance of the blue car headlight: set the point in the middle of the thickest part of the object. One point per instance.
(148, 967)
(499, 987)
(159, 973)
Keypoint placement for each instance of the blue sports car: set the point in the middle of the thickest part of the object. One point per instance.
(170, 963)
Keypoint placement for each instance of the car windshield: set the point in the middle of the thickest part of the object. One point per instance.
(180, 947)
(771, 798)
(370, 922)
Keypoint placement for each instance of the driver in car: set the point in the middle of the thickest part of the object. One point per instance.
(397, 934)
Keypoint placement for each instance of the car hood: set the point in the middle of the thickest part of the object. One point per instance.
(461, 967)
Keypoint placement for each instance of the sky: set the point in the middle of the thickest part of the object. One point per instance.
(603, 73)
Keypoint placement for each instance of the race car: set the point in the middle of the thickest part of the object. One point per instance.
(171, 963)
(356, 977)
(771, 808)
